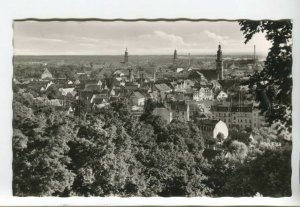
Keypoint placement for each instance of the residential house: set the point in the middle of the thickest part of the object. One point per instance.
(180, 110)
(161, 90)
(65, 91)
(222, 96)
(131, 86)
(68, 95)
(203, 93)
(178, 70)
(92, 88)
(182, 85)
(137, 99)
(97, 101)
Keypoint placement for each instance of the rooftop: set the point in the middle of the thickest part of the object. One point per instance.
(163, 87)
(138, 94)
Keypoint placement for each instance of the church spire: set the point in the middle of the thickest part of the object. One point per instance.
(219, 53)
(219, 63)
(175, 57)
(126, 56)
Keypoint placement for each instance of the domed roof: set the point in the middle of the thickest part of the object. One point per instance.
(221, 127)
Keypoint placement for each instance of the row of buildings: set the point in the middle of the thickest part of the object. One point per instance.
(204, 96)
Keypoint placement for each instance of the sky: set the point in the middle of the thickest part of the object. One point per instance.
(141, 38)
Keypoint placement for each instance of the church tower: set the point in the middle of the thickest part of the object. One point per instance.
(126, 57)
(175, 57)
(219, 63)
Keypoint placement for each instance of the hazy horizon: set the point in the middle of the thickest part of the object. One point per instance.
(141, 38)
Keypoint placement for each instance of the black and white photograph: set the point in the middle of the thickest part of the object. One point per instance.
(152, 108)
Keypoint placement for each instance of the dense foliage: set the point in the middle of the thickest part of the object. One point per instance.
(273, 85)
(112, 153)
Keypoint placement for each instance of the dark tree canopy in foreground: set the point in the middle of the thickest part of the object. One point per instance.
(273, 85)
(111, 153)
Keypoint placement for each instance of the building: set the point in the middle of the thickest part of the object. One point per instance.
(222, 96)
(180, 110)
(212, 128)
(159, 91)
(92, 88)
(46, 75)
(178, 70)
(137, 99)
(66, 91)
(175, 58)
(97, 101)
(162, 87)
(239, 115)
(131, 86)
(203, 93)
(54, 102)
(258, 119)
(126, 57)
(219, 63)
(182, 85)
(210, 74)
(203, 75)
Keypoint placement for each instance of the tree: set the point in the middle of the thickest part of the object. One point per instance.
(264, 167)
(273, 85)
(241, 136)
(220, 137)
(239, 149)
(53, 92)
(268, 174)
(40, 163)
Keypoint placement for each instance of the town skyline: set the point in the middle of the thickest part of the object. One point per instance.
(174, 125)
